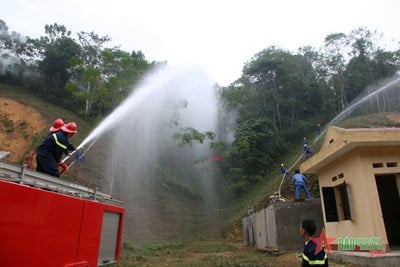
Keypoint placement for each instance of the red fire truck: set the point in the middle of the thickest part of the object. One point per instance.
(46, 221)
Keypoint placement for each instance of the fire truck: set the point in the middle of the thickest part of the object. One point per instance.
(46, 221)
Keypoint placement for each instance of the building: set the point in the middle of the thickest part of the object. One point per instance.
(359, 180)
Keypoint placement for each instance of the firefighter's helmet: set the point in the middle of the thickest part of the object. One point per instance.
(57, 124)
(70, 127)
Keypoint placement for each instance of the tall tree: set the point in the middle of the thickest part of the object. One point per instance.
(88, 73)
(358, 73)
(335, 62)
(56, 66)
(54, 53)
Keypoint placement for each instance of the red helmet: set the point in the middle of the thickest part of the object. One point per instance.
(70, 127)
(57, 124)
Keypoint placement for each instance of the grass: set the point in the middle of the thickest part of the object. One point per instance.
(206, 252)
(377, 120)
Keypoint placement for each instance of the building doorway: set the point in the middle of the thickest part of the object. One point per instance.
(390, 202)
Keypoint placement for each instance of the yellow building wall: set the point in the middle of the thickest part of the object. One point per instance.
(357, 170)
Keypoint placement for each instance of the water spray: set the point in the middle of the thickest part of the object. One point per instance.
(362, 100)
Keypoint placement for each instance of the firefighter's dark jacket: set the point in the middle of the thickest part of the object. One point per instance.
(309, 259)
(55, 145)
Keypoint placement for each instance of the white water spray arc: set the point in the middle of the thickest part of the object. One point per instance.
(361, 101)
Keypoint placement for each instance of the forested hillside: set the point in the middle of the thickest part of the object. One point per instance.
(280, 97)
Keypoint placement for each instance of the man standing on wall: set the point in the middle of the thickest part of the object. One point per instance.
(300, 183)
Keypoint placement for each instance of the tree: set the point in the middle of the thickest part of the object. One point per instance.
(368, 63)
(326, 98)
(87, 76)
(12, 53)
(283, 86)
(385, 63)
(121, 72)
(104, 76)
(335, 51)
(56, 66)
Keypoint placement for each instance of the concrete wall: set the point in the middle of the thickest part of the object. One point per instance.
(288, 218)
(248, 230)
(260, 229)
(276, 227)
(272, 235)
(245, 231)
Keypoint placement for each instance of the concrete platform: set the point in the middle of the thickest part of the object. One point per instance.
(389, 259)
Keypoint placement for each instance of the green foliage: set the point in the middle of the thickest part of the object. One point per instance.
(150, 246)
(127, 245)
(187, 135)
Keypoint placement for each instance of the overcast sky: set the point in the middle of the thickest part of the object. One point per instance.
(217, 35)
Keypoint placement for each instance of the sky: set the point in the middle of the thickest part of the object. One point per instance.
(219, 36)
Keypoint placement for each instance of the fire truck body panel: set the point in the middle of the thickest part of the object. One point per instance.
(40, 227)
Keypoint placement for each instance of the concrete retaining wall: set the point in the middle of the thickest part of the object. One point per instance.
(276, 227)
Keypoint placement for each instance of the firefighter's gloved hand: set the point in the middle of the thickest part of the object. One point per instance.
(62, 167)
(78, 156)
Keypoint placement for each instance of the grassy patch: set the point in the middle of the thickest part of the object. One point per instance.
(207, 253)
(369, 121)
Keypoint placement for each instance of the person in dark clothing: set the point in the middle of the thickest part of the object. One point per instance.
(305, 141)
(307, 151)
(50, 151)
(310, 258)
(318, 130)
(284, 171)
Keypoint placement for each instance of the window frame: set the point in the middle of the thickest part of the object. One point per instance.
(336, 202)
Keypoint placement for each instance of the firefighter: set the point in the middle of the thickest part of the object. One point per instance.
(56, 126)
(56, 144)
(311, 256)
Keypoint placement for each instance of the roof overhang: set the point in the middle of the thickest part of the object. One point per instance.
(339, 141)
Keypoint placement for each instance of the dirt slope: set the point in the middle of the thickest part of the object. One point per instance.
(19, 126)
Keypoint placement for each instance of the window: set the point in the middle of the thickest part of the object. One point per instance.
(391, 164)
(336, 203)
(344, 201)
(377, 165)
(331, 214)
